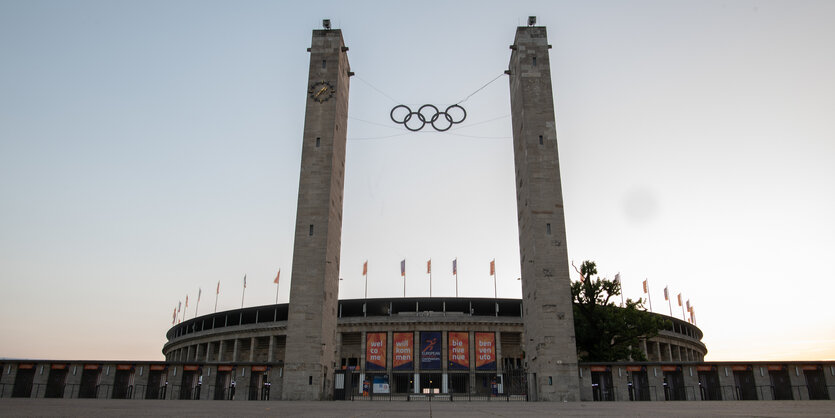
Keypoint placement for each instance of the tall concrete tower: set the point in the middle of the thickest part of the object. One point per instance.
(550, 349)
(311, 325)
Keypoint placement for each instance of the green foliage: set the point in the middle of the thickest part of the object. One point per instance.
(605, 331)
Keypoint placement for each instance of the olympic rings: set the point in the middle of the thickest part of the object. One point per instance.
(427, 114)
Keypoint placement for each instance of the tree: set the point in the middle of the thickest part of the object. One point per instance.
(603, 330)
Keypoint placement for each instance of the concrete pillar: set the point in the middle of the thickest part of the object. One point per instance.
(658, 351)
(691, 383)
(726, 382)
(586, 394)
(235, 348)
(271, 352)
(798, 381)
(763, 383)
(108, 377)
(620, 380)
(498, 351)
(655, 377)
(220, 351)
(252, 349)
(829, 378)
(546, 286)
(40, 380)
(140, 381)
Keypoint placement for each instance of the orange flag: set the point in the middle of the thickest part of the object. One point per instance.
(429, 267)
(277, 276)
(365, 268)
(493, 268)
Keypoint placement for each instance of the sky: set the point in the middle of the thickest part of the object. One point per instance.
(149, 150)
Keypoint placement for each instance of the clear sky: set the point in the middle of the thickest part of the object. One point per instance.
(148, 149)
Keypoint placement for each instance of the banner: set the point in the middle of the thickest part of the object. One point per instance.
(403, 343)
(430, 350)
(375, 351)
(485, 351)
(459, 351)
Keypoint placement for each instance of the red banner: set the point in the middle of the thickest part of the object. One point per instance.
(375, 351)
(224, 368)
(634, 368)
(91, 367)
(485, 351)
(59, 366)
(403, 355)
(459, 351)
(25, 366)
(668, 368)
(598, 368)
(123, 367)
(704, 368)
(775, 368)
(739, 368)
(157, 367)
(190, 368)
(259, 368)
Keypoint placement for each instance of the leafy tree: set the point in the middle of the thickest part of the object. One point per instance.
(603, 330)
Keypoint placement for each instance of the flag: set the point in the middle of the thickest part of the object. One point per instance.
(429, 266)
(365, 268)
(403, 268)
(455, 266)
(645, 286)
(186, 301)
(174, 318)
(179, 305)
(199, 293)
(277, 276)
(218, 288)
(493, 267)
(244, 281)
(617, 278)
(688, 305)
(679, 299)
(666, 293)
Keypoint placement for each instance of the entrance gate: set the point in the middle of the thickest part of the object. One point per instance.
(709, 384)
(56, 382)
(23, 381)
(453, 386)
(815, 383)
(781, 387)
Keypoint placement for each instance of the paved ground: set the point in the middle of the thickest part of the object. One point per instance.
(108, 408)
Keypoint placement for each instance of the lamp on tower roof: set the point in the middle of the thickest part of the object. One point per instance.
(531, 20)
(326, 23)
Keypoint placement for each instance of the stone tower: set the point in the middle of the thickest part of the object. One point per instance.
(311, 325)
(550, 349)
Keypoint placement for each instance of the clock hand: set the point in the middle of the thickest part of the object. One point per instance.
(321, 91)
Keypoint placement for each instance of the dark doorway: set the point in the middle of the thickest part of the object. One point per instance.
(639, 386)
(222, 382)
(601, 386)
(746, 390)
(816, 384)
(89, 388)
(709, 385)
(459, 383)
(431, 383)
(674, 386)
(121, 384)
(56, 382)
(152, 391)
(402, 383)
(23, 382)
(256, 385)
(187, 384)
(781, 387)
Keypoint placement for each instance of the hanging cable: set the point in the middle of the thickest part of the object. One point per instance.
(377, 90)
(480, 88)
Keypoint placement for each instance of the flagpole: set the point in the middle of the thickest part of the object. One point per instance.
(277, 278)
(243, 292)
(197, 305)
(495, 292)
(366, 279)
(683, 316)
(217, 293)
(649, 298)
(430, 277)
(456, 277)
(670, 304)
(617, 277)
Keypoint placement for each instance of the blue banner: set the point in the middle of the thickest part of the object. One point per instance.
(430, 350)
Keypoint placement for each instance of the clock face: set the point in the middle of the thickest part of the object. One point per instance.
(321, 91)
